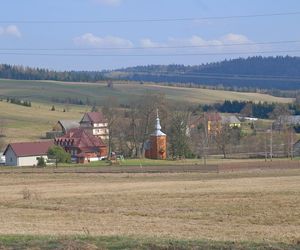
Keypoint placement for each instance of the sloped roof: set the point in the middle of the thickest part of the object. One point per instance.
(81, 138)
(230, 119)
(95, 117)
(69, 124)
(22, 149)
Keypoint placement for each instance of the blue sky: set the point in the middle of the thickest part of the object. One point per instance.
(137, 39)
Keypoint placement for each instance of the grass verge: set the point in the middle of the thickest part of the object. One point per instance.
(116, 242)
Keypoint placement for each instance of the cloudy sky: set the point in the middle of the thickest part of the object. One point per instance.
(109, 34)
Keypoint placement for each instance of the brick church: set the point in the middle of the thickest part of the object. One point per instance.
(156, 146)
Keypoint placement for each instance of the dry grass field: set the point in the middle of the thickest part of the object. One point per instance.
(258, 206)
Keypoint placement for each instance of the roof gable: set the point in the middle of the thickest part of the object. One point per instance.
(22, 149)
(68, 124)
(93, 117)
(82, 138)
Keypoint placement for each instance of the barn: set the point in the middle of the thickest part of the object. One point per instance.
(26, 153)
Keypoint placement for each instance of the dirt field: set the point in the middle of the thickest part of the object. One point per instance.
(249, 206)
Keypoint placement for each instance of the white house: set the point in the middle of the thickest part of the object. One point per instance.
(96, 123)
(26, 153)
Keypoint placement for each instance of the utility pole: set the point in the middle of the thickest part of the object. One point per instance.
(271, 144)
(292, 144)
(266, 154)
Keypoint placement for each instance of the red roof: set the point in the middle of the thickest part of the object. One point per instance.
(96, 117)
(30, 148)
(80, 138)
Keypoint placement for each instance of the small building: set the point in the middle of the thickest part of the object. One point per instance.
(61, 128)
(96, 124)
(231, 120)
(82, 145)
(156, 146)
(26, 153)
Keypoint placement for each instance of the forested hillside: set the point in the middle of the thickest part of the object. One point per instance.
(27, 73)
(248, 74)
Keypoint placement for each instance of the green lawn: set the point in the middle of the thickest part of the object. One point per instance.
(115, 242)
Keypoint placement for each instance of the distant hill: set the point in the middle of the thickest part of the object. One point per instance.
(243, 73)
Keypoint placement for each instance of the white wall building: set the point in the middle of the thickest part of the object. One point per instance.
(96, 123)
(26, 153)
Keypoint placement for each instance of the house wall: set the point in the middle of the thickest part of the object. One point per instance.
(29, 160)
(10, 158)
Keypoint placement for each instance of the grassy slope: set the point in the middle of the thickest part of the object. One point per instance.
(23, 123)
(43, 91)
(228, 207)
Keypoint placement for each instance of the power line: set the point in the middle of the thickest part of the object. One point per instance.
(152, 55)
(154, 47)
(184, 19)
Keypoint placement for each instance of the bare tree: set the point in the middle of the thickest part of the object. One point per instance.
(110, 112)
(177, 134)
(225, 137)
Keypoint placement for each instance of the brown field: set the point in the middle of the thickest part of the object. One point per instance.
(251, 206)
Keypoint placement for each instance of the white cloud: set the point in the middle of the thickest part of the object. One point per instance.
(10, 30)
(235, 38)
(112, 3)
(195, 41)
(148, 43)
(89, 39)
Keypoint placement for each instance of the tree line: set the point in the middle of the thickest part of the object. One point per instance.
(28, 73)
(262, 110)
(17, 101)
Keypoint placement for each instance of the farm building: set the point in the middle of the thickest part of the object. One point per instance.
(95, 123)
(82, 145)
(26, 153)
(61, 128)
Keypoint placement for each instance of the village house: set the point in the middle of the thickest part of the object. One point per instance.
(82, 145)
(96, 124)
(61, 128)
(26, 153)
(213, 122)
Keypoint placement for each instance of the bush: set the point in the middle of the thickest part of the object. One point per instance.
(41, 162)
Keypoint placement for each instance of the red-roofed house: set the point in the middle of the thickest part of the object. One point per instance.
(82, 145)
(26, 153)
(96, 123)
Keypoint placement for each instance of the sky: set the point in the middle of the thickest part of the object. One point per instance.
(111, 34)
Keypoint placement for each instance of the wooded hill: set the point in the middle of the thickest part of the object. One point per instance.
(243, 74)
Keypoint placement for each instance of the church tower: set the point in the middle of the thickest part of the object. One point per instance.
(157, 144)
